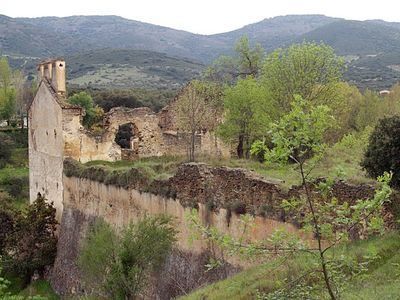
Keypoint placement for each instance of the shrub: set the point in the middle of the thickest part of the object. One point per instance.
(123, 263)
(32, 245)
(93, 114)
(16, 186)
(383, 150)
(5, 150)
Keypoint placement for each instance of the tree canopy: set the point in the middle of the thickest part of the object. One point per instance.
(309, 70)
(248, 112)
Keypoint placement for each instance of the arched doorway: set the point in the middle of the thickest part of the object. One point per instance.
(127, 137)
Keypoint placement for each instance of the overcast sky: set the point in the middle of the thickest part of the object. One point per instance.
(204, 16)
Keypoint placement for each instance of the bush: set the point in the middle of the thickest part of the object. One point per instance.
(16, 186)
(383, 150)
(93, 114)
(122, 264)
(32, 245)
(5, 150)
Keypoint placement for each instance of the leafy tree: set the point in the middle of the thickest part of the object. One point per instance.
(381, 153)
(308, 69)
(371, 109)
(93, 114)
(5, 75)
(9, 84)
(33, 244)
(392, 101)
(248, 111)
(25, 92)
(197, 109)
(121, 264)
(246, 61)
(299, 134)
(8, 105)
(345, 111)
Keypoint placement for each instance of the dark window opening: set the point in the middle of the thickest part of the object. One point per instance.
(127, 136)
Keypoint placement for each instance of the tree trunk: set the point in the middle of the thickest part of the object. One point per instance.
(192, 145)
(240, 146)
(317, 233)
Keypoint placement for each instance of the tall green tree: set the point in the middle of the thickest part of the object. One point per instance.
(246, 61)
(7, 91)
(370, 110)
(248, 111)
(310, 70)
(5, 75)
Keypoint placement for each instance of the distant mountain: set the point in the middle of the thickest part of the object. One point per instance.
(366, 45)
(356, 38)
(276, 32)
(64, 36)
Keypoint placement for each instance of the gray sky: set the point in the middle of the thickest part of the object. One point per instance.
(204, 16)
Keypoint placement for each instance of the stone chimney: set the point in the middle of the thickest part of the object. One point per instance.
(54, 71)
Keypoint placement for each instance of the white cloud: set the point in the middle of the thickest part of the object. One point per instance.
(203, 16)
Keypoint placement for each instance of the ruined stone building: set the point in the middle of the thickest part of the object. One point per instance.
(56, 132)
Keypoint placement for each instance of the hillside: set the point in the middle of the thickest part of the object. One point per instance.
(365, 45)
(276, 32)
(64, 36)
(130, 68)
(356, 38)
(370, 46)
(379, 281)
(121, 69)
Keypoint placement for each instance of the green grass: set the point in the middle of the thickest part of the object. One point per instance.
(380, 281)
(16, 173)
(341, 158)
(155, 167)
(40, 288)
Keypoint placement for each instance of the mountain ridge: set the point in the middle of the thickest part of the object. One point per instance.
(370, 42)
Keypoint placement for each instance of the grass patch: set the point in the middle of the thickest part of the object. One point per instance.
(145, 175)
(14, 178)
(14, 186)
(40, 288)
(380, 281)
(341, 160)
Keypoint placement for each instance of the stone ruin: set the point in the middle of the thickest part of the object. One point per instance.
(56, 133)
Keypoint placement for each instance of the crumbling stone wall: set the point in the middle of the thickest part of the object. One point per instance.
(152, 139)
(214, 191)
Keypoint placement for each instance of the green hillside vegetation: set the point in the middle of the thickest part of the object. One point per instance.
(112, 68)
(356, 37)
(375, 46)
(380, 281)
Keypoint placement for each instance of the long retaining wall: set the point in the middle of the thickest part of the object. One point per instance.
(220, 195)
